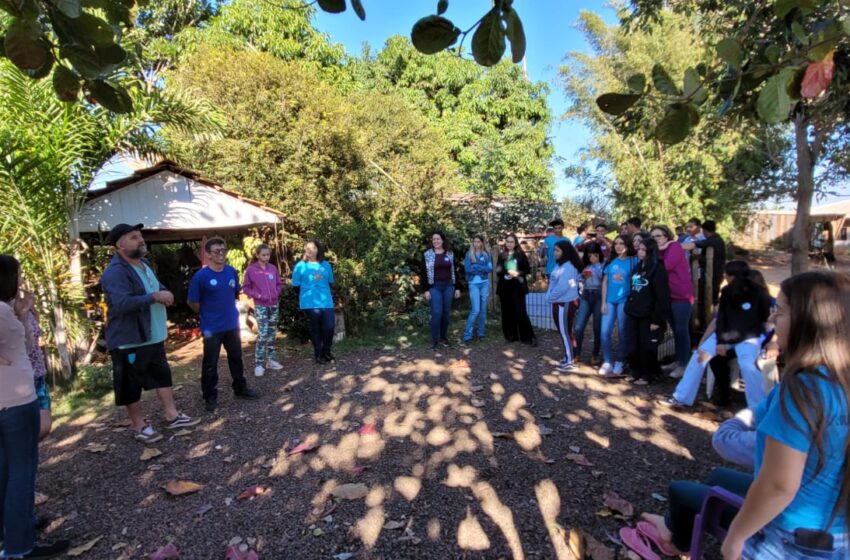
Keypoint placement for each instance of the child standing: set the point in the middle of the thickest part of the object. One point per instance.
(591, 299)
(563, 296)
(262, 284)
(616, 281)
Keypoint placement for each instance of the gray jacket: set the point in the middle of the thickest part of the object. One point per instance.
(128, 304)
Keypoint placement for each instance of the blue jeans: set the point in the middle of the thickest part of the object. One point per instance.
(616, 315)
(591, 303)
(19, 427)
(680, 320)
(322, 324)
(774, 543)
(478, 295)
(441, 307)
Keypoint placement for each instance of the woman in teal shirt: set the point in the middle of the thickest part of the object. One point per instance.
(313, 277)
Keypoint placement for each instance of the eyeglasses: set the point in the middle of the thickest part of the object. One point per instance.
(658, 236)
(218, 252)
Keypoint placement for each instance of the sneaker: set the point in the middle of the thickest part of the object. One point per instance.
(48, 549)
(248, 394)
(274, 364)
(210, 404)
(618, 368)
(183, 421)
(606, 369)
(329, 358)
(444, 342)
(434, 346)
(259, 371)
(672, 403)
(567, 366)
(147, 435)
(321, 360)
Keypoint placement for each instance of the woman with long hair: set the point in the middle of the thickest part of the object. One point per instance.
(312, 277)
(440, 283)
(590, 304)
(477, 265)
(262, 284)
(512, 270)
(681, 294)
(562, 295)
(648, 307)
(616, 284)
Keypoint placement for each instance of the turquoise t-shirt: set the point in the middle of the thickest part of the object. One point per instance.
(550, 252)
(315, 281)
(159, 320)
(619, 274)
(816, 497)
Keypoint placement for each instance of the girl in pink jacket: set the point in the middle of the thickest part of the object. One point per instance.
(262, 284)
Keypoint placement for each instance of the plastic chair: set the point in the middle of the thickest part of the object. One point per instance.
(708, 520)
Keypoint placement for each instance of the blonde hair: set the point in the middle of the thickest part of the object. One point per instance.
(484, 248)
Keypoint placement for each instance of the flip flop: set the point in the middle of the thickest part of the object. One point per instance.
(650, 531)
(637, 542)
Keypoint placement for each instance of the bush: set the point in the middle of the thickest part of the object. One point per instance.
(94, 379)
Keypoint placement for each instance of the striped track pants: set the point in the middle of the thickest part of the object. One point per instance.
(564, 315)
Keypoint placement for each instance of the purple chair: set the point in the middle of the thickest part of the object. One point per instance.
(715, 504)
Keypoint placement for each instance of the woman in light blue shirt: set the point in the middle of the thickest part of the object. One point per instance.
(313, 277)
(478, 265)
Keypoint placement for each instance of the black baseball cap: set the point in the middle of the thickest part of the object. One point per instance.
(120, 230)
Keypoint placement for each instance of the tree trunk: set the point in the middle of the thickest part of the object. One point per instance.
(805, 193)
(59, 331)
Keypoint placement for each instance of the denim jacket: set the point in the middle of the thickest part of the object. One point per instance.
(482, 266)
(128, 304)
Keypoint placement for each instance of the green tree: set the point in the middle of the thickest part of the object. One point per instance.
(718, 173)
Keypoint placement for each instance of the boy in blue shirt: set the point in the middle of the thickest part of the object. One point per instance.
(212, 293)
(557, 226)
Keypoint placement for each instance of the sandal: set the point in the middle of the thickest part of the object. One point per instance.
(650, 531)
(638, 543)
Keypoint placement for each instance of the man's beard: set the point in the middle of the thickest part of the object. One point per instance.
(138, 252)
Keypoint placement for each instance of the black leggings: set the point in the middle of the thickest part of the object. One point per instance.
(321, 330)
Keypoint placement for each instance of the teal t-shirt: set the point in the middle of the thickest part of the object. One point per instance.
(159, 324)
(315, 281)
(812, 506)
(619, 274)
(550, 252)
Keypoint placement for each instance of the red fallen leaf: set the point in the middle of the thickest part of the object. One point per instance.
(818, 77)
(167, 552)
(618, 504)
(253, 491)
(368, 428)
(304, 447)
(359, 470)
(235, 552)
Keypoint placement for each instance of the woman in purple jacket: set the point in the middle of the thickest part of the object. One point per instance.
(681, 294)
(262, 284)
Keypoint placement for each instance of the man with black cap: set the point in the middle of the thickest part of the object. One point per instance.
(136, 330)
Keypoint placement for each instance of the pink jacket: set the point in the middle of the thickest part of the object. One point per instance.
(678, 273)
(263, 286)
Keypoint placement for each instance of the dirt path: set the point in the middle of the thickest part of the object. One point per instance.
(449, 446)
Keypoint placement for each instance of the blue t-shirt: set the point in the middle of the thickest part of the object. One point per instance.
(619, 274)
(159, 320)
(550, 252)
(816, 497)
(216, 293)
(315, 281)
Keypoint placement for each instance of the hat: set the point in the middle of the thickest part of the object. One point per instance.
(120, 230)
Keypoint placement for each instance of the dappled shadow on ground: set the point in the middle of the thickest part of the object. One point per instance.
(463, 453)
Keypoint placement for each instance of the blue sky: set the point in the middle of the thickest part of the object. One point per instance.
(550, 34)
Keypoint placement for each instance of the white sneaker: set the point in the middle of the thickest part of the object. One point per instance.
(567, 366)
(618, 368)
(259, 371)
(272, 364)
(605, 369)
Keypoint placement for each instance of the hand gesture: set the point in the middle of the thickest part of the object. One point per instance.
(164, 297)
(23, 303)
(457, 294)
(604, 308)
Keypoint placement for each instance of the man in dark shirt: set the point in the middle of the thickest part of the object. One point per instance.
(714, 241)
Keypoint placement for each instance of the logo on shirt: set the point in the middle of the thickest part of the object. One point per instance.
(746, 306)
(232, 283)
(639, 283)
(213, 282)
(271, 276)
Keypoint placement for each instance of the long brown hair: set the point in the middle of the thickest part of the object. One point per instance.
(818, 337)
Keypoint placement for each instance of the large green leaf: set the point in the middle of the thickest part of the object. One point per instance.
(694, 88)
(488, 42)
(729, 51)
(774, 102)
(332, 6)
(24, 45)
(675, 125)
(663, 82)
(516, 34)
(113, 54)
(70, 8)
(110, 97)
(85, 61)
(42, 72)
(357, 6)
(433, 34)
(92, 30)
(783, 7)
(442, 6)
(616, 103)
(66, 84)
(637, 83)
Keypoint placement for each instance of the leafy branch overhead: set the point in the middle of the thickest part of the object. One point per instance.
(773, 57)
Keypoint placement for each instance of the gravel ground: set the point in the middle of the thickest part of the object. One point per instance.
(461, 453)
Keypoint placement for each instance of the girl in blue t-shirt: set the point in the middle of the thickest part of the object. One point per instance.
(313, 277)
(616, 278)
(591, 299)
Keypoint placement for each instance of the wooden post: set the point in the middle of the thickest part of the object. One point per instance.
(709, 283)
(695, 282)
(493, 303)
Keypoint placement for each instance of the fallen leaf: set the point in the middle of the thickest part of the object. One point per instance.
(616, 503)
(303, 448)
(167, 552)
(96, 447)
(320, 512)
(503, 435)
(155, 467)
(229, 459)
(180, 487)
(350, 491)
(579, 459)
(40, 499)
(604, 512)
(83, 548)
(477, 403)
(393, 525)
(234, 552)
(595, 549)
(300, 416)
(253, 492)
(359, 470)
(658, 497)
(182, 433)
(368, 428)
(149, 453)
(546, 415)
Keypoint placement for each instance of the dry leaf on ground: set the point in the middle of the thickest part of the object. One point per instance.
(393, 525)
(579, 459)
(253, 492)
(304, 447)
(618, 504)
(180, 487)
(350, 491)
(149, 453)
(368, 428)
(236, 552)
(503, 435)
(40, 499)
(96, 447)
(167, 552)
(85, 547)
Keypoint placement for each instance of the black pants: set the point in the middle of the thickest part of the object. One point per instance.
(722, 377)
(322, 322)
(643, 358)
(515, 322)
(209, 369)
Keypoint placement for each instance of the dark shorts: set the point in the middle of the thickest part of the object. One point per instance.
(42, 394)
(138, 369)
